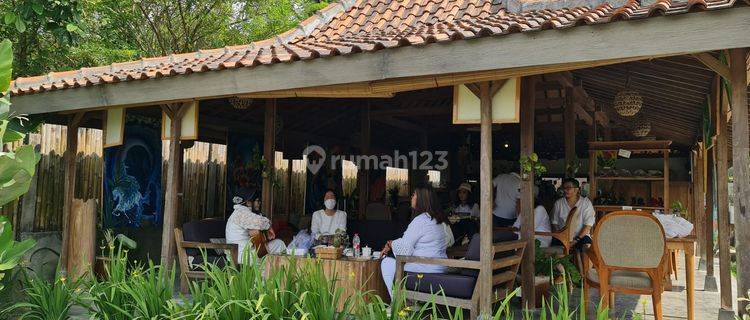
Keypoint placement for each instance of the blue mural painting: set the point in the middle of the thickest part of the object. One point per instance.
(244, 165)
(132, 171)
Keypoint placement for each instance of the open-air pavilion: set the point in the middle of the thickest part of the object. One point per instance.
(374, 76)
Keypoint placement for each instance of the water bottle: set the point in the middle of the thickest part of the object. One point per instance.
(355, 244)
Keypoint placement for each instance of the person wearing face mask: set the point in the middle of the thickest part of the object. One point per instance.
(327, 221)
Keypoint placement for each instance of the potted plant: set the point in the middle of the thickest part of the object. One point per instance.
(606, 161)
(531, 164)
(678, 208)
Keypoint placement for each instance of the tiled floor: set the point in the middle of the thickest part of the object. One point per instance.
(673, 302)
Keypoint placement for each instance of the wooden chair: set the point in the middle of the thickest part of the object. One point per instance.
(461, 289)
(629, 255)
(188, 272)
(564, 235)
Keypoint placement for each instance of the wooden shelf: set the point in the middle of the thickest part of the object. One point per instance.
(634, 146)
(632, 178)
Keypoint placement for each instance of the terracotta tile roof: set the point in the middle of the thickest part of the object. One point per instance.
(349, 27)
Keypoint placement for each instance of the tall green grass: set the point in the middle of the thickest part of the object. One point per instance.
(300, 290)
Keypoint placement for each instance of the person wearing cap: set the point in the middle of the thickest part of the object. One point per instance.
(586, 217)
(243, 224)
(326, 221)
(464, 207)
(541, 218)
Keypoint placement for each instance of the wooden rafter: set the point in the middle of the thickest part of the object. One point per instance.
(713, 64)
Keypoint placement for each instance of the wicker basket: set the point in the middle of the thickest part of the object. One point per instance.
(331, 253)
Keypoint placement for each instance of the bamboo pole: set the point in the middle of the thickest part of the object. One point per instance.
(527, 192)
(485, 201)
(741, 164)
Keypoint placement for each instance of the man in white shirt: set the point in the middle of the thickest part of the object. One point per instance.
(326, 221)
(507, 195)
(586, 214)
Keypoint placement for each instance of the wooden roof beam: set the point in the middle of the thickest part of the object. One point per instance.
(712, 63)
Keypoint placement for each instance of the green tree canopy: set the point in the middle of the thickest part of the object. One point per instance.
(56, 35)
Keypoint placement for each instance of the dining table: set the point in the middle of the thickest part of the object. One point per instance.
(352, 275)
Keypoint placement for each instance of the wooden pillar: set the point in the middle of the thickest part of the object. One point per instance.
(269, 152)
(485, 201)
(741, 165)
(71, 153)
(289, 175)
(174, 171)
(699, 201)
(667, 204)
(363, 176)
(722, 201)
(527, 192)
(710, 282)
(569, 119)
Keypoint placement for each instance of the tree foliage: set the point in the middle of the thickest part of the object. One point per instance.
(55, 35)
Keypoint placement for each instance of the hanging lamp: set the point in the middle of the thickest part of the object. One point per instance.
(628, 102)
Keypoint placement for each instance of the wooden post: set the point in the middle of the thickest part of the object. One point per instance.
(363, 176)
(269, 152)
(485, 201)
(722, 201)
(699, 210)
(741, 164)
(289, 174)
(82, 237)
(570, 127)
(71, 152)
(710, 282)
(667, 204)
(174, 171)
(527, 192)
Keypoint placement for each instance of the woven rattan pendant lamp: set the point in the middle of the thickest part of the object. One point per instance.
(641, 128)
(628, 102)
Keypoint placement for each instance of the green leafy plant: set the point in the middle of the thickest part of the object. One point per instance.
(45, 300)
(572, 167)
(606, 159)
(531, 163)
(554, 267)
(678, 207)
(11, 252)
(17, 166)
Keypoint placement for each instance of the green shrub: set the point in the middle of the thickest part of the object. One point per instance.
(43, 300)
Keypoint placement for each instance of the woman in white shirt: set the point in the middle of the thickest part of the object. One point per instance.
(586, 214)
(243, 224)
(424, 237)
(541, 218)
(326, 221)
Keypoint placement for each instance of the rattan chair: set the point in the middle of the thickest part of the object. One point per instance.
(629, 256)
(564, 235)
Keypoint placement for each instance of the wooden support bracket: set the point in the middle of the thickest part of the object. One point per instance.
(712, 63)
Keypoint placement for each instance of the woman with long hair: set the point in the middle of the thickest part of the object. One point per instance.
(424, 237)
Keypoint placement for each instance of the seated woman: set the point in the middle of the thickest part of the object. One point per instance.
(586, 214)
(464, 207)
(424, 237)
(326, 221)
(244, 224)
(541, 218)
